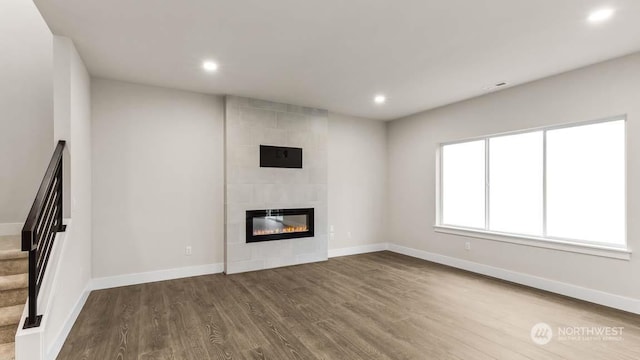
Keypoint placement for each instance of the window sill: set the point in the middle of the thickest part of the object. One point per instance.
(595, 250)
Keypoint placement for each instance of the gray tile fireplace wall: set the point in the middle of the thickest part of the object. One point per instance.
(250, 123)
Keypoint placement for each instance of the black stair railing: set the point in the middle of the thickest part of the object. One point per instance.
(39, 231)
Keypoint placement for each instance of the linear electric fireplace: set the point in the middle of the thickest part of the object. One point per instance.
(277, 224)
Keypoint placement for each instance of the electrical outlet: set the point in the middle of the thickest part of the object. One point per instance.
(187, 250)
(331, 229)
(467, 245)
(348, 234)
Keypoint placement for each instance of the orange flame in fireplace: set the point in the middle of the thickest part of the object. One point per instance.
(288, 229)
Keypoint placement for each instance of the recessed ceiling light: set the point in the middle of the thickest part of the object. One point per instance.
(380, 99)
(210, 66)
(600, 15)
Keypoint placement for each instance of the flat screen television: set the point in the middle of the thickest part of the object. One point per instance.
(280, 157)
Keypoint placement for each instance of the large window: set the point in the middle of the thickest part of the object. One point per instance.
(562, 183)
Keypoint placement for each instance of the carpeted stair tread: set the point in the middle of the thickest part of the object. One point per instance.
(13, 254)
(8, 242)
(14, 266)
(10, 315)
(8, 351)
(10, 248)
(10, 282)
(13, 297)
(13, 291)
(7, 334)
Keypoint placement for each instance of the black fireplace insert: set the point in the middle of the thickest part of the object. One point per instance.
(278, 224)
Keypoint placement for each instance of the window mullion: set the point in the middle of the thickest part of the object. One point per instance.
(544, 184)
(441, 189)
(486, 184)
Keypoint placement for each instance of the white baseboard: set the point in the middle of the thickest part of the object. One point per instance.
(578, 292)
(354, 250)
(10, 228)
(153, 276)
(56, 346)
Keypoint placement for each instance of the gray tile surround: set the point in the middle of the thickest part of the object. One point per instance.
(250, 123)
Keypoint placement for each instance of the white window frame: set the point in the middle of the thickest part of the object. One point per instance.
(571, 245)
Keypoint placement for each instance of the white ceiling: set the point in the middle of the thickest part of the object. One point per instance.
(337, 54)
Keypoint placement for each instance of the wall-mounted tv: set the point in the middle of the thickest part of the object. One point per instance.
(280, 157)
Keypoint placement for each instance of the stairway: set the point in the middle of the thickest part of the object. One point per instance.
(13, 292)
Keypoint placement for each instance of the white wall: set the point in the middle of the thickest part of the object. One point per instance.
(157, 178)
(26, 102)
(68, 274)
(73, 124)
(595, 92)
(357, 181)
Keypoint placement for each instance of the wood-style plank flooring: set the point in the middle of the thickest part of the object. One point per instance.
(373, 306)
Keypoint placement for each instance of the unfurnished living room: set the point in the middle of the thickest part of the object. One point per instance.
(319, 179)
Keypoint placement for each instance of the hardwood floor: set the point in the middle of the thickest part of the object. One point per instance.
(373, 306)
